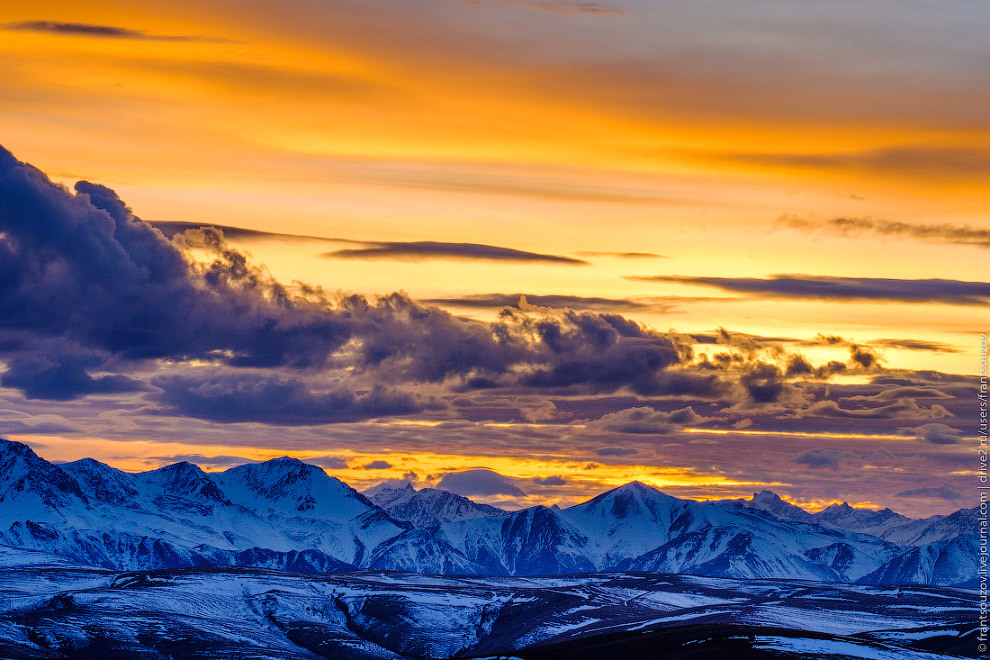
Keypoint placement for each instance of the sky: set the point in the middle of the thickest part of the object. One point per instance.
(527, 250)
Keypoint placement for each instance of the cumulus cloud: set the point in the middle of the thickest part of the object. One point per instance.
(550, 481)
(115, 293)
(935, 433)
(823, 287)
(480, 482)
(823, 458)
(643, 420)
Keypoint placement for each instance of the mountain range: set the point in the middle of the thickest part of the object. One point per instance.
(288, 515)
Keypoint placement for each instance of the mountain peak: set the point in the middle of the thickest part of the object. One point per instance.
(289, 485)
(184, 479)
(24, 472)
(102, 482)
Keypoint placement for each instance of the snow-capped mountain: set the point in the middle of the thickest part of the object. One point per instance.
(286, 514)
(777, 507)
(867, 521)
(429, 507)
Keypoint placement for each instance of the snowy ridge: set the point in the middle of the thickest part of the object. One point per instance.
(287, 515)
(66, 612)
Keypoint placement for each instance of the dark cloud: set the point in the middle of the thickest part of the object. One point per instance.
(62, 376)
(81, 268)
(937, 434)
(645, 420)
(616, 451)
(550, 481)
(100, 31)
(329, 462)
(521, 300)
(823, 458)
(603, 352)
(913, 160)
(170, 229)
(479, 482)
(914, 345)
(252, 397)
(904, 344)
(763, 383)
(936, 492)
(418, 250)
(933, 233)
(864, 357)
(798, 366)
(377, 465)
(822, 287)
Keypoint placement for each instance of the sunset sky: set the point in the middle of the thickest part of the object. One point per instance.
(715, 247)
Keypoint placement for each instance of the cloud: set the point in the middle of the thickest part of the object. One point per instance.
(329, 462)
(911, 160)
(479, 482)
(170, 229)
(904, 408)
(936, 492)
(15, 422)
(616, 451)
(252, 397)
(63, 376)
(550, 481)
(101, 31)
(377, 465)
(622, 255)
(763, 383)
(83, 269)
(116, 294)
(822, 287)
(645, 420)
(937, 434)
(824, 458)
(904, 392)
(932, 233)
(419, 250)
(521, 300)
(915, 345)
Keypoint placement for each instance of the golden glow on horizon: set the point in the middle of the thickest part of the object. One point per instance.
(140, 455)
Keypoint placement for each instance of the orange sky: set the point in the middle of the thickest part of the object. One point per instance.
(685, 130)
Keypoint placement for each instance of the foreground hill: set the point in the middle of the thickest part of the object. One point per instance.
(90, 614)
(284, 514)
